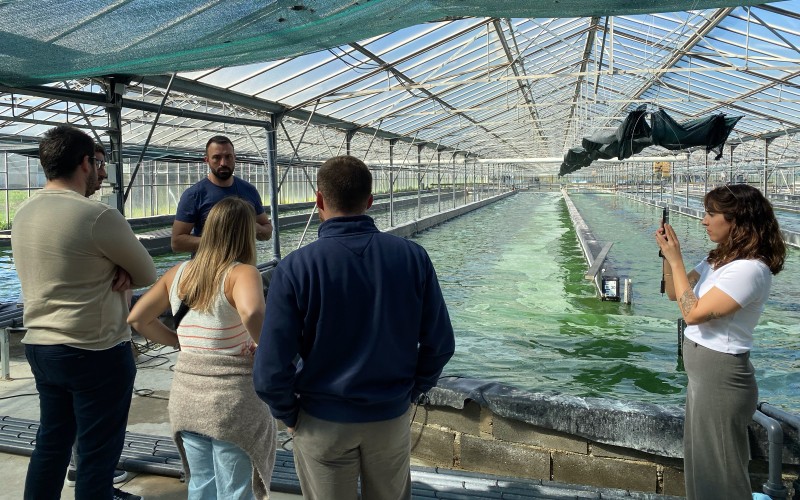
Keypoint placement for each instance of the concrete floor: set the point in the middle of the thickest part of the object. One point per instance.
(151, 487)
(148, 415)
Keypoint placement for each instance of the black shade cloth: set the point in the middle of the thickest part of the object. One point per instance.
(635, 134)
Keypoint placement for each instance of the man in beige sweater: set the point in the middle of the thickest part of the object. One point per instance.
(75, 258)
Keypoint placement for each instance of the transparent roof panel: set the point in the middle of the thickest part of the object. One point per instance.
(495, 87)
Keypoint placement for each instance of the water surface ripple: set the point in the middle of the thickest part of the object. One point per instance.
(512, 275)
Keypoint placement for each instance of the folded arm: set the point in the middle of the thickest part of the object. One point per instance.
(182, 238)
(263, 227)
(714, 304)
(117, 242)
(145, 313)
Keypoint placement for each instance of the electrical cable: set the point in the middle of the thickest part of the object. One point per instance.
(19, 395)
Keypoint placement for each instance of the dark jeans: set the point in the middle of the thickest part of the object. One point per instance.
(85, 394)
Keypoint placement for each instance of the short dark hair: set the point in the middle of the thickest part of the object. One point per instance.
(218, 139)
(345, 183)
(62, 150)
(98, 148)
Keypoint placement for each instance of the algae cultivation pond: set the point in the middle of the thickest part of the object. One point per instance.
(512, 274)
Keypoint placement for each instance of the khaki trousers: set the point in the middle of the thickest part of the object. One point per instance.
(331, 456)
(721, 399)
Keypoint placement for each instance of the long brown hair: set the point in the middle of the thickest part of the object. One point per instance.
(229, 236)
(754, 234)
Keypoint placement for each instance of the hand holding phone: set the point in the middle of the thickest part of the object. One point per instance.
(664, 220)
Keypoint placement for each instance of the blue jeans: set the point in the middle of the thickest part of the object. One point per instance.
(85, 394)
(217, 469)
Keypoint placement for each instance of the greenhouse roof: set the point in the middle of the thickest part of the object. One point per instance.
(501, 82)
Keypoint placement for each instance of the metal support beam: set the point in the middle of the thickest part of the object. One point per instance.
(420, 147)
(587, 50)
(195, 115)
(114, 96)
(712, 22)
(391, 182)
(147, 141)
(514, 61)
(272, 155)
(349, 139)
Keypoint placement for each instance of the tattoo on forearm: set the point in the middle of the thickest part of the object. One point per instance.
(713, 315)
(687, 301)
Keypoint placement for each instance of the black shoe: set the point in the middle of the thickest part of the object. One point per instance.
(119, 476)
(124, 495)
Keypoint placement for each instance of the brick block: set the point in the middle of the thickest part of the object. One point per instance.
(604, 472)
(521, 432)
(466, 420)
(610, 451)
(674, 482)
(487, 421)
(508, 459)
(432, 445)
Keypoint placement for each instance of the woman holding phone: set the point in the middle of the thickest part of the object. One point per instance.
(721, 300)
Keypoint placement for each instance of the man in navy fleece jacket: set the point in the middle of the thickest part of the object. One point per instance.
(364, 311)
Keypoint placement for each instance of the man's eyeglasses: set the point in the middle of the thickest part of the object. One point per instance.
(98, 163)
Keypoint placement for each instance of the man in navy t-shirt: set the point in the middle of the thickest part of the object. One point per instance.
(220, 183)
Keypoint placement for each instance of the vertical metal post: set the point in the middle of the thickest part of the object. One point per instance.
(687, 180)
(474, 185)
(466, 191)
(672, 178)
(348, 139)
(439, 179)
(272, 157)
(391, 182)
(766, 160)
(705, 183)
(114, 95)
(5, 350)
(454, 179)
(153, 188)
(7, 202)
(730, 179)
(419, 181)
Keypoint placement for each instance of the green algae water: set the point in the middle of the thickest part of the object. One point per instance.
(512, 275)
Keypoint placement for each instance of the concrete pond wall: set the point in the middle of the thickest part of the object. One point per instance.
(492, 428)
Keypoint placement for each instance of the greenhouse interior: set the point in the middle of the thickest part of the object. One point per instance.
(453, 100)
(489, 128)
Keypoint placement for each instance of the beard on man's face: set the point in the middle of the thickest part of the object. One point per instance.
(92, 183)
(222, 173)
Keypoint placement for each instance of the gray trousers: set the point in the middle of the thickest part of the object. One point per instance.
(720, 401)
(331, 456)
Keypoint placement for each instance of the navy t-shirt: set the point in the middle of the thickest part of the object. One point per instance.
(197, 201)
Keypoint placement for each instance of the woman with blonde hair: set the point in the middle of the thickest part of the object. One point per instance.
(721, 301)
(226, 435)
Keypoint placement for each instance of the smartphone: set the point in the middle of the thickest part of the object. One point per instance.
(664, 220)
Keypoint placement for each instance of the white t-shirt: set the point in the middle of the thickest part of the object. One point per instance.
(745, 281)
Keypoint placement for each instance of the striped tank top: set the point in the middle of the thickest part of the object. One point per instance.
(219, 331)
